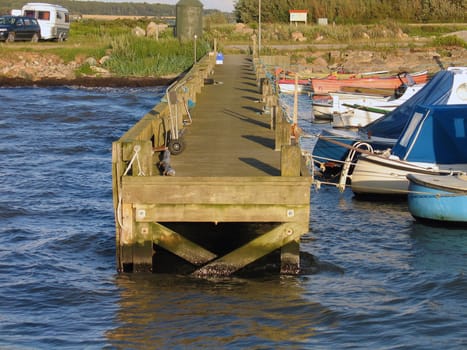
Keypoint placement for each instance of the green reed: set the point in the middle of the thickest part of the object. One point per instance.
(142, 56)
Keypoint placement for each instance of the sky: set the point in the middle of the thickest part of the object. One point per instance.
(223, 5)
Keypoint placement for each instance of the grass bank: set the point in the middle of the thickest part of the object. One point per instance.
(128, 55)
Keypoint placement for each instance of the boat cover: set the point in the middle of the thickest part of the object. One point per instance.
(435, 134)
(446, 87)
(436, 92)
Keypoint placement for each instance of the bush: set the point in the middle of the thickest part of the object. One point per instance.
(449, 40)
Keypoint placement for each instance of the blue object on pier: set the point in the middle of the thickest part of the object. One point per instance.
(220, 58)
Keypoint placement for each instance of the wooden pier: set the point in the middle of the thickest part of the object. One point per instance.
(213, 189)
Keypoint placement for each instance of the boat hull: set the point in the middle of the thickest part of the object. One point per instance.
(287, 86)
(355, 118)
(332, 148)
(322, 112)
(441, 199)
(376, 175)
(333, 84)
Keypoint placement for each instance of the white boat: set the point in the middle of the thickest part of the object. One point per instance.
(288, 86)
(438, 199)
(433, 142)
(326, 106)
(331, 151)
(360, 113)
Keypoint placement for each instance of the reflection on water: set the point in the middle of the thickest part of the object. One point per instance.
(160, 311)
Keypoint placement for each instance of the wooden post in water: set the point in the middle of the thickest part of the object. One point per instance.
(290, 166)
(295, 102)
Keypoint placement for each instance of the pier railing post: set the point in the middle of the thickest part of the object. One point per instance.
(139, 154)
(282, 132)
(290, 166)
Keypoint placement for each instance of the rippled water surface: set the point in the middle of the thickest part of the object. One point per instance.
(378, 280)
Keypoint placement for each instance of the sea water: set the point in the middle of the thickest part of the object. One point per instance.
(379, 279)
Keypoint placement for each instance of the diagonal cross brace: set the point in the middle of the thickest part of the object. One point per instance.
(252, 251)
(179, 245)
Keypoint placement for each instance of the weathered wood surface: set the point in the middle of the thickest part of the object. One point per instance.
(253, 250)
(230, 134)
(239, 166)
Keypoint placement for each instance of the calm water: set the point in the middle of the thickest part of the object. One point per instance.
(383, 281)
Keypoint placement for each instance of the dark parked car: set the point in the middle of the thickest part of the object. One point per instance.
(19, 28)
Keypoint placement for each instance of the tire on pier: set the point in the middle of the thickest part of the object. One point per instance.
(176, 146)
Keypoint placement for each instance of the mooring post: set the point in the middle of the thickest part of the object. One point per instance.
(290, 166)
(283, 131)
(142, 256)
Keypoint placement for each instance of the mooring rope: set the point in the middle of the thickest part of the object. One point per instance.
(136, 149)
(119, 210)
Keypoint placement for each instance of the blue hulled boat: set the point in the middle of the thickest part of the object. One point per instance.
(438, 199)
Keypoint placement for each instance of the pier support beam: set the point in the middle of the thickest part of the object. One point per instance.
(179, 245)
(252, 251)
(291, 156)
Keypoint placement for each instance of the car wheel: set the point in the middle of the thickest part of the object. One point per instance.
(61, 37)
(10, 38)
(35, 38)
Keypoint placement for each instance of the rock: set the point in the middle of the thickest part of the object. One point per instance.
(104, 59)
(138, 31)
(91, 61)
(298, 36)
(152, 30)
(320, 64)
(243, 29)
(100, 70)
(239, 27)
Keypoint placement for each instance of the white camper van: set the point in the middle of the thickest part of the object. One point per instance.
(54, 20)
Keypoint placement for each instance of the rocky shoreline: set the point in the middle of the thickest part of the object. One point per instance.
(44, 69)
(86, 82)
(41, 69)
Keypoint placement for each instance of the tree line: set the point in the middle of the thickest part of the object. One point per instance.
(102, 8)
(354, 11)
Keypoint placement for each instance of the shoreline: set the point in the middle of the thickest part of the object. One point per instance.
(87, 82)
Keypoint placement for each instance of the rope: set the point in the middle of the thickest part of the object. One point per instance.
(119, 210)
(317, 184)
(136, 149)
(437, 195)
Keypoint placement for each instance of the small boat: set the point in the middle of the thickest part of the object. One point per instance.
(434, 142)
(332, 148)
(287, 86)
(333, 83)
(438, 199)
(354, 110)
(325, 106)
(360, 113)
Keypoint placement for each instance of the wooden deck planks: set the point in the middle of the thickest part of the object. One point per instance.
(229, 136)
